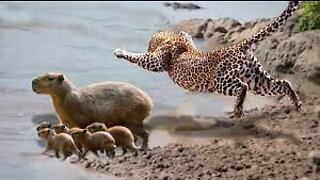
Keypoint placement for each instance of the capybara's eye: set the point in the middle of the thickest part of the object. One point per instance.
(50, 78)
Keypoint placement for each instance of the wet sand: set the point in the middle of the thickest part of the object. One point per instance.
(270, 143)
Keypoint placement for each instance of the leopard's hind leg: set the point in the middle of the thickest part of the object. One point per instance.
(261, 83)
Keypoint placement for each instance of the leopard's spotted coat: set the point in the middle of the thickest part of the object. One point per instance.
(230, 71)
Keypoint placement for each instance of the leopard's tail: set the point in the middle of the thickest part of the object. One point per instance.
(272, 27)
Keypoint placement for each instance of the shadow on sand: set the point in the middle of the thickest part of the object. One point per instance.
(221, 127)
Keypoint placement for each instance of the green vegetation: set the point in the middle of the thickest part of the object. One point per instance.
(309, 15)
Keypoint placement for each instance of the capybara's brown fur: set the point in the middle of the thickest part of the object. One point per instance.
(121, 135)
(61, 128)
(94, 142)
(59, 143)
(43, 125)
(112, 103)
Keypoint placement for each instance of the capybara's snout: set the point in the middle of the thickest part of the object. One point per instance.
(34, 84)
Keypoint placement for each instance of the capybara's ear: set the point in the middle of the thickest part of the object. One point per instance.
(60, 78)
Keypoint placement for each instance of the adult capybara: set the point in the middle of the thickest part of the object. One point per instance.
(112, 103)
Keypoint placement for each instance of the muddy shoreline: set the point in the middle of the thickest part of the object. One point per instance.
(277, 147)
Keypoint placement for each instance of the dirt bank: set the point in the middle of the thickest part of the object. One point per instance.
(276, 146)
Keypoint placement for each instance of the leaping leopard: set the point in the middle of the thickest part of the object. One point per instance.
(230, 71)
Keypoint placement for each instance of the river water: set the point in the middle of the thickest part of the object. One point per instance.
(78, 38)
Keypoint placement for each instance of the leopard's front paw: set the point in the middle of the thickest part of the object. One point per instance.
(119, 53)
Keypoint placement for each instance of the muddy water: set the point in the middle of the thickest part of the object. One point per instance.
(77, 38)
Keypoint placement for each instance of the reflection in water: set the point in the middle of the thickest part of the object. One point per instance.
(51, 118)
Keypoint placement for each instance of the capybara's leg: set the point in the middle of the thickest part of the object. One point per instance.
(96, 153)
(57, 154)
(66, 154)
(136, 138)
(111, 153)
(134, 150)
(140, 131)
(124, 150)
(84, 153)
(78, 153)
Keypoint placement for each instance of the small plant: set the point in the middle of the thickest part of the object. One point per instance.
(309, 15)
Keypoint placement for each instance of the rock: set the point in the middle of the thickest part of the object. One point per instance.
(314, 157)
(221, 169)
(180, 149)
(165, 178)
(238, 167)
(148, 156)
(226, 23)
(297, 53)
(291, 26)
(285, 67)
(250, 29)
(206, 28)
(195, 27)
(179, 5)
(221, 29)
(160, 166)
(317, 112)
(314, 75)
(216, 41)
